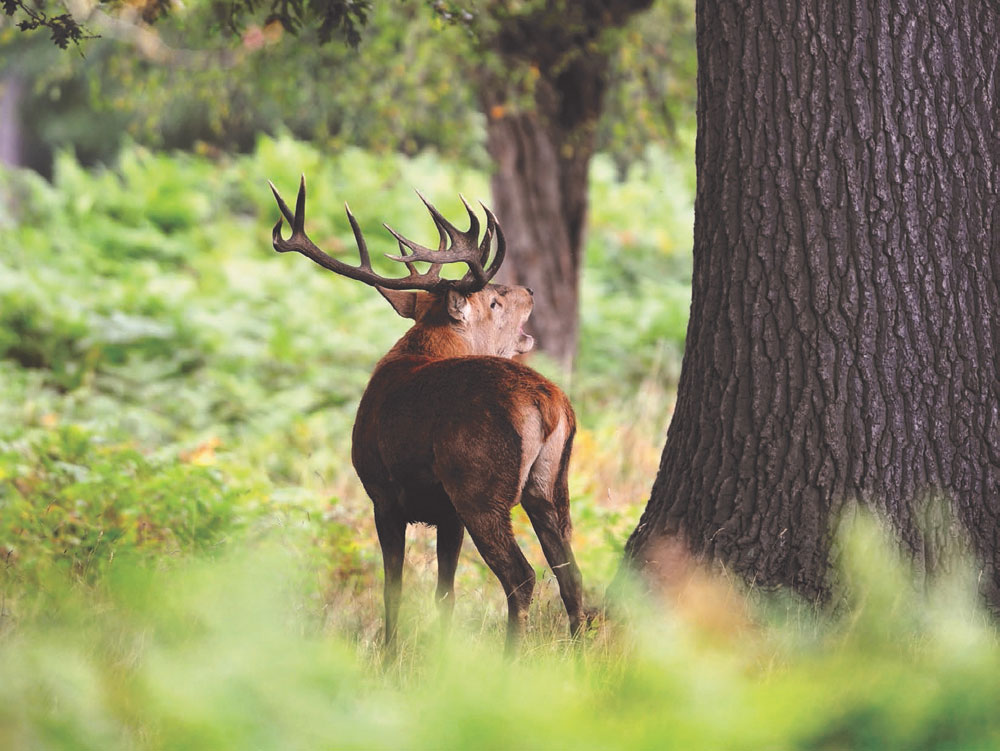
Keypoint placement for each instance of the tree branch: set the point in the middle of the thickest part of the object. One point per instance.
(63, 28)
(329, 17)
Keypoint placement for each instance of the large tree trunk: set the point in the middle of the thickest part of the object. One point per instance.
(845, 320)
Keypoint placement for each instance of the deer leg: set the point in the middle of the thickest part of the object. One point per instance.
(392, 539)
(494, 538)
(450, 534)
(554, 530)
(545, 498)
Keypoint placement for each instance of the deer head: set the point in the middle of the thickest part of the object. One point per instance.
(487, 318)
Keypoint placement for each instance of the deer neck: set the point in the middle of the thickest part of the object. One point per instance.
(432, 341)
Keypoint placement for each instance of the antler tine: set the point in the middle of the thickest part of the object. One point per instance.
(359, 239)
(466, 254)
(285, 211)
(487, 244)
(409, 266)
(439, 221)
(492, 228)
(473, 231)
(299, 221)
(299, 242)
(501, 252)
(463, 244)
(463, 249)
(435, 269)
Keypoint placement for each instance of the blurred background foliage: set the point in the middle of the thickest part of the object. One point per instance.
(408, 87)
(210, 77)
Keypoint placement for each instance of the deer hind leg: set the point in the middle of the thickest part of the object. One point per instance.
(545, 499)
(494, 538)
(554, 535)
(450, 533)
(392, 538)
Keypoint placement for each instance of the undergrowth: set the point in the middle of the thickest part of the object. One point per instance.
(187, 559)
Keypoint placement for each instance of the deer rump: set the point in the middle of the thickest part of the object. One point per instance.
(434, 438)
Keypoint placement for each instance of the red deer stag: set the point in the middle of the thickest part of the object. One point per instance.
(451, 432)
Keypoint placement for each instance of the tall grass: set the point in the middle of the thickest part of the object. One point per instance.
(233, 653)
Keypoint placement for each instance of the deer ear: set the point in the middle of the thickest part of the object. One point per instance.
(458, 306)
(403, 302)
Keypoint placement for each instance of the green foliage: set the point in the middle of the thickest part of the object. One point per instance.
(414, 82)
(653, 84)
(643, 290)
(405, 88)
(145, 281)
(69, 504)
(402, 90)
(232, 654)
(63, 29)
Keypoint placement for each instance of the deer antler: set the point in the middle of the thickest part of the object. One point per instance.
(463, 249)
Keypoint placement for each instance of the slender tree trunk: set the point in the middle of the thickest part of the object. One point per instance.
(540, 192)
(542, 153)
(11, 93)
(845, 321)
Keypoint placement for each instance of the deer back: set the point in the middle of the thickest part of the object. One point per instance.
(421, 418)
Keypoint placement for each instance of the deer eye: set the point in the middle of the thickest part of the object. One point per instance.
(494, 304)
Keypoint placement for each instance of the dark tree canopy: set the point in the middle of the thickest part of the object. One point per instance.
(845, 320)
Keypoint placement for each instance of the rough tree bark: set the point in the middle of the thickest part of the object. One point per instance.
(542, 153)
(845, 321)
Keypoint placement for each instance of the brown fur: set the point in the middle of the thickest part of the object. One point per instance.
(451, 432)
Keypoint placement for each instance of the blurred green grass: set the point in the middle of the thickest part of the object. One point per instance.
(187, 559)
(230, 653)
